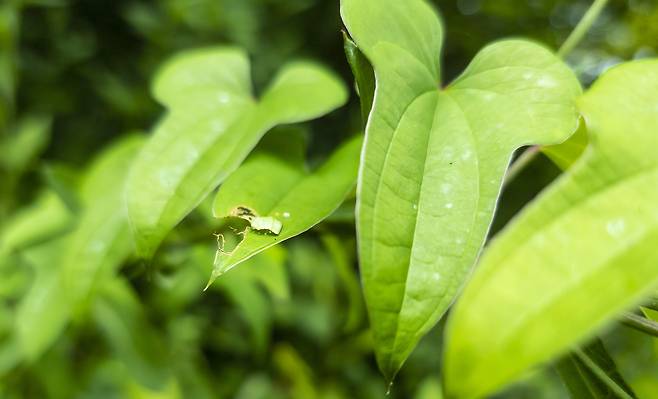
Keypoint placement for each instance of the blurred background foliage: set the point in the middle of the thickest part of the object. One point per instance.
(74, 77)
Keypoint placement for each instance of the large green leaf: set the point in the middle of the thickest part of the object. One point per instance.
(277, 185)
(211, 126)
(101, 240)
(434, 159)
(539, 286)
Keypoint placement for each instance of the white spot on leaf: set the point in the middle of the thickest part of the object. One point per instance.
(546, 82)
(616, 227)
(446, 188)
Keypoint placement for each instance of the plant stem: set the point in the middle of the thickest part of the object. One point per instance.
(651, 303)
(583, 26)
(601, 375)
(640, 323)
(572, 41)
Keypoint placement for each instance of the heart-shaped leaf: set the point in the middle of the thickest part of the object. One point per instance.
(434, 159)
(211, 126)
(539, 287)
(278, 186)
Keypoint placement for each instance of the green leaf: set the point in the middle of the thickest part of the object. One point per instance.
(590, 373)
(29, 139)
(101, 240)
(43, 312)
(434, 159)
(341, 255)
(120, 318)
(211, 126)
(67, 269)
(430, 388)
(42, 220)
(64, 181)
(578, 239)
(275, 185)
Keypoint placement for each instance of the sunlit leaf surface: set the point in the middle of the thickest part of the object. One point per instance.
(577, 256)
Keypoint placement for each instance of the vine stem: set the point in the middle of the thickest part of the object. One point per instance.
(572, 41)
(582, 28)
(602, 375)
(640, 323)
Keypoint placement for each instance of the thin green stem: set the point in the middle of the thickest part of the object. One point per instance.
(652, 304)
(583, 26)
(601, 374)
(572, 41)
(640, 323)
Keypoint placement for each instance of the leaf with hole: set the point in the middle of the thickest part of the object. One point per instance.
(212, 124)
(276, 185)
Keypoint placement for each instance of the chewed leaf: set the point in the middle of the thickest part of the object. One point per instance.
(268, 224)
(286, 192)
(434, 159)
(537, 291)
(212, 124)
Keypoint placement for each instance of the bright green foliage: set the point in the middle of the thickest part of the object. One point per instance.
(566, 154)
(276, 183)
(101, 241)
(37, 222)
(576, 256)
(43, 312)
(434, 159)
(87, 257)
(24, 144)
(212, 124)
